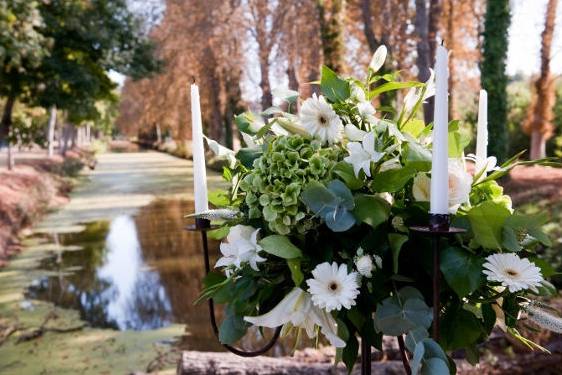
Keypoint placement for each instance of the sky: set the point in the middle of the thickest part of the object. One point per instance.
(527, 23)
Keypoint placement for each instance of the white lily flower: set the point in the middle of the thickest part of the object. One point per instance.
(249, 140)
(362, 154)
(367, 112)
(490, 164)
(353, 133)
(414, 93)
(298, 310)
(222, 152)
(377, 61)
(241, 247)
(358, 93)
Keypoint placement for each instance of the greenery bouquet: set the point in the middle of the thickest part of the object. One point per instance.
(315, 229)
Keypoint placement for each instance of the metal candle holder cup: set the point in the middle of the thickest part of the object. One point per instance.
(439, 226)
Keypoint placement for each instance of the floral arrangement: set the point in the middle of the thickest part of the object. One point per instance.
(315, 229)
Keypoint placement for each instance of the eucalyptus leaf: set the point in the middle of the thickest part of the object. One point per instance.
(416, 362)
(435, 366)
(246, 156)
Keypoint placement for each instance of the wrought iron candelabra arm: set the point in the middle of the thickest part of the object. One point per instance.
(202, 226)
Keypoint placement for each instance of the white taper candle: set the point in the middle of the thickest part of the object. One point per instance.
(199, 172)
(482, 132)
(439, 194)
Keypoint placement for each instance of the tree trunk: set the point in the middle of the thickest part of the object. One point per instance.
(542, 114)
(331, 30)
(435, 10)
(158, 134)
(367, 17)
(451, 44)
(265, 86)
(493, 77)
(424, 58)
(5, 127)
(51, 130)
(213, 95)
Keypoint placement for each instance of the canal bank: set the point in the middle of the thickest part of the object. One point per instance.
(106, 284)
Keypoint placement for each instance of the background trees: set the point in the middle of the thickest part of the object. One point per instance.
(59, 53)
(493, 77)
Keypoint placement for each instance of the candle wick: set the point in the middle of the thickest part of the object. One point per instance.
(193, 79)
(442, 42)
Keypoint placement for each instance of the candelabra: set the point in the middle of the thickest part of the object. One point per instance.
(438, 228)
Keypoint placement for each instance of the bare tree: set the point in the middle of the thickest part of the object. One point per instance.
(540, 115)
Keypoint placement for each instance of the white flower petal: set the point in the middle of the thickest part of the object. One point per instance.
(377, 61)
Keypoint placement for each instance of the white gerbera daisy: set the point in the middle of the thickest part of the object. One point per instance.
(332, 287)
(320, 120)
(242, 247)
(512, 272)
(361, 155)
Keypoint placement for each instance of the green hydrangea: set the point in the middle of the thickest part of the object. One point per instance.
(278, 177)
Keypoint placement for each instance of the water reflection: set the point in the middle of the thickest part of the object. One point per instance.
(140, 273)
(135, 299)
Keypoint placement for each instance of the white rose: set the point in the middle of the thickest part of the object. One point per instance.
(364, 265)
(460, 184)
(420, 189)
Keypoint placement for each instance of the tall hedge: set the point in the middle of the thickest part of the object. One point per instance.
(493, 76)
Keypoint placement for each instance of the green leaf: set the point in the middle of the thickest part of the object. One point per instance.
(396, 241)
(280, 246)
(391, 86)
(435, 366)
(249, 122)
(458, 140)
(418, 157)
(371, 209)
(460, 329)
(349, 355)
(246, 156)
(393, 180)
(345, 171)
(219, 198)
(333, 87)
(529, 224)
(487, 220)
(219, 233)
(462, 270)
(296, 272)
(356, 317)
(333, 204)
(232, 328)
(414, 127)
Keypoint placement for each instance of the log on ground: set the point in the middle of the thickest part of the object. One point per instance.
(204, 363)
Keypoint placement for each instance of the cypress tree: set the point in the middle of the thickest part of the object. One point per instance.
(493, 77)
